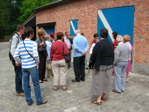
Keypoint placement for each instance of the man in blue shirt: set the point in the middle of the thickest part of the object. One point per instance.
(80, 50)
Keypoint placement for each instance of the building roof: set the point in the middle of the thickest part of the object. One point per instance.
(31, 21)
(50, 4)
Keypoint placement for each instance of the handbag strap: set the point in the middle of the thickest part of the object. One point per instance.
(28, 52)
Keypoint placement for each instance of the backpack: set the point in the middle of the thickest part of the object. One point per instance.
(9, 53)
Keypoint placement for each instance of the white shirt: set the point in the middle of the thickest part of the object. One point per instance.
(91, 49)
(67, 41)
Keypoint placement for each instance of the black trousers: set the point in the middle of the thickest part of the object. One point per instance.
(69, 63)
(42, 66)
(79, 67)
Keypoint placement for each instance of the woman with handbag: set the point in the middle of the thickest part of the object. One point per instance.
(42, 55)
(59, 67)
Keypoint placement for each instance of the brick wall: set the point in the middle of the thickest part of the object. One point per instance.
(86, 12)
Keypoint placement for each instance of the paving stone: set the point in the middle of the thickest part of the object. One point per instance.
(76, 98)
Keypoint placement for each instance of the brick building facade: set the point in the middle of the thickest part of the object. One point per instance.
(85, 11)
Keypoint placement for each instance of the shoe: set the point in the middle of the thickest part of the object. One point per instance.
(82, 79)
(74, 80)
(115, 91)
(55, 88)
(43, 102)
(19, 94)
(64, 88)
(29, 104)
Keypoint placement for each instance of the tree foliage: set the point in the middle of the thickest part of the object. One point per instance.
(4, 13)
(13, 12)
(13, 7)
(29, 5)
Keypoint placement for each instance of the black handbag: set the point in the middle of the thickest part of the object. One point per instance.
(41, 49)
(67, 57)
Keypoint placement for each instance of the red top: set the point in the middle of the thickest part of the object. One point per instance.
(58, 50)
(115, 43)
(92, 42)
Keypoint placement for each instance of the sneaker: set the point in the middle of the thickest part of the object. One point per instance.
(43, 102)
(19, 94)
(29, 104)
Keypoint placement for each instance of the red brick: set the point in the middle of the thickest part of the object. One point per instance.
(86, 12)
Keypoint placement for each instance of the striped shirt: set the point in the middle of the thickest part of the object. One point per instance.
(22, 56)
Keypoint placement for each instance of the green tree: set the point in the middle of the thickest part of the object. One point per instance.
(4, 13)
(29, 5)
(13, 6)
(4, 17)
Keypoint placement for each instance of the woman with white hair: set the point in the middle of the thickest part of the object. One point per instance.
(119, 39)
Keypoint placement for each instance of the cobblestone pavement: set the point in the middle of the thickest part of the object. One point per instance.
(76, 98)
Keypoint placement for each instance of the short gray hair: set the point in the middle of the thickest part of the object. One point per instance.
(77, 31)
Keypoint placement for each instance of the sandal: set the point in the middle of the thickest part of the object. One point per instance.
(40, 81)
(45, 80)
(50, 76)
(95, 102)
(64, 88)
(104, 99)
(98, 103)
(55, 88)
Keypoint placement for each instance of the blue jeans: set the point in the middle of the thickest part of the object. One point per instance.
(33, 72)
(18, 78)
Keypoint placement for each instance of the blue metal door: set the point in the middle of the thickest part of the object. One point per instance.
(73, 26)
(49, 29)
(120, 20)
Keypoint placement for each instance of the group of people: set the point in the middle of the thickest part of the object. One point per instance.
(51, 55)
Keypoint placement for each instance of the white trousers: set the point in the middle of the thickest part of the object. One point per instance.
(59, 69)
